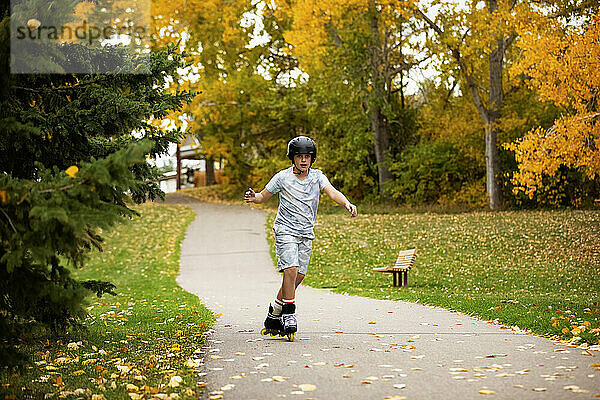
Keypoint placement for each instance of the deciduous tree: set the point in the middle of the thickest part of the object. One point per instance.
(563, 67)
(365, 43)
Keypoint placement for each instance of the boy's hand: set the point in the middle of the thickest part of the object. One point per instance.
(351, 209)
(250, 196)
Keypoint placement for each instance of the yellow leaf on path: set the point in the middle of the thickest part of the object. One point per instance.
(395, 398)
(486, 391)
(280, 378)
(539, 389)
(307, 387)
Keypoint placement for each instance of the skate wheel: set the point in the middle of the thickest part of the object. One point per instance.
(264, 332)
(273, 333)
(291, 337)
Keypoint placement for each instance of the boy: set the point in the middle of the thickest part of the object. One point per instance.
(299, 187)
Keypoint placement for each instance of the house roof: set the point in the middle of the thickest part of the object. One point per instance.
(189, 147)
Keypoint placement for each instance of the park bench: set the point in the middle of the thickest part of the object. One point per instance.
(399, 271)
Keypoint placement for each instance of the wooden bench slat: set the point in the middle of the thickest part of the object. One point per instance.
(404, 262)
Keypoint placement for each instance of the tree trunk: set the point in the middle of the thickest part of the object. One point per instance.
(381, 140)
(379, 125)
(491, 130)
(210, 171)
(490, 115)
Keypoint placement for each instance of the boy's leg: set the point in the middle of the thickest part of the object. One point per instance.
(288, 286)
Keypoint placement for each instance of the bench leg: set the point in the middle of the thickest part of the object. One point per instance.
(405, 278)
(395, 275)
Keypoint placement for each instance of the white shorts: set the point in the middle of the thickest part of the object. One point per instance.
(293, 251)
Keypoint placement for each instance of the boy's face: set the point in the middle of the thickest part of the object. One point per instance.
(302, 161)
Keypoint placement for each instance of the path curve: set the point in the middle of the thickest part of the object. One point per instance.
(350, 347)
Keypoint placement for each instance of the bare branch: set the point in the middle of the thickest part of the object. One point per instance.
(9, 220)
(473, 87)
(552, 129)
(509, 40)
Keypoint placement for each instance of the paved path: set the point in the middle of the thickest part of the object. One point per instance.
(351, 347)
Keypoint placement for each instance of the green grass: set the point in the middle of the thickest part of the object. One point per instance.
(143, 337)
(535, 270)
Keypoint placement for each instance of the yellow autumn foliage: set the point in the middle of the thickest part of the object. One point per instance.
(311, 20)
(563, 68)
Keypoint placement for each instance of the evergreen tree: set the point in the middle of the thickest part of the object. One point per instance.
(73, 152)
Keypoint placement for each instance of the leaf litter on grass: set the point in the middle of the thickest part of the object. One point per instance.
(142, 341)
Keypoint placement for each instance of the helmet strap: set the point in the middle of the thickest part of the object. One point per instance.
(295, 168)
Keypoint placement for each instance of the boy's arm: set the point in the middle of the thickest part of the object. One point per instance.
(339, 198)
(252, 197)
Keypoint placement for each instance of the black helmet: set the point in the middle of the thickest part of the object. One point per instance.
(302, 145)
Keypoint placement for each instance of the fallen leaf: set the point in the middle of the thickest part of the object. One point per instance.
(280, 378)
(123, 368)
(131, 387)
(307, 387)
(400, 386)
(539, 389)
(486, 391)
(175, 381)
(523, 372)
